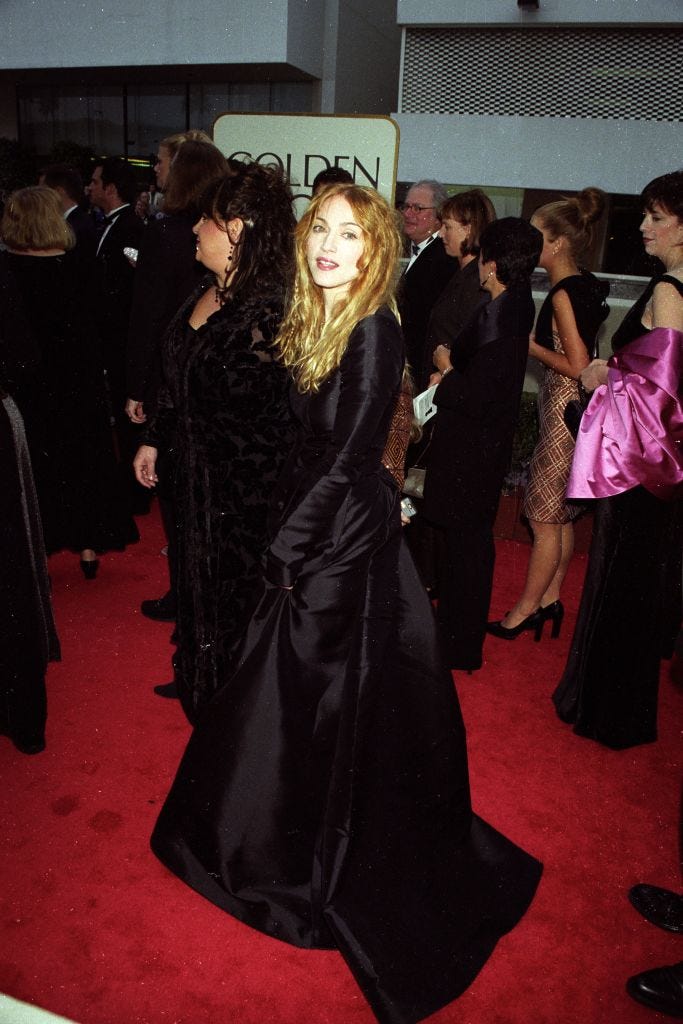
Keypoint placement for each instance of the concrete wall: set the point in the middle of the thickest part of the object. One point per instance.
(536, 152)
(103, 33)
(550, 12)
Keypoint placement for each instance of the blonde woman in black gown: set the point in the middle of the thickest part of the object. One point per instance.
(564, 342)
(323, 798)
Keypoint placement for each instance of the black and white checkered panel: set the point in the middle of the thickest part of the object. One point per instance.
(547, 72)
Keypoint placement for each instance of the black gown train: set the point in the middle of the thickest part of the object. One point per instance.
(324, 797)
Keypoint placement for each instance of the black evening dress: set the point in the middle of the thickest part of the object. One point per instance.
(224, 415)
(630, 609)
(62, 399)
(551, 461)
(28, 639)
(323, 797)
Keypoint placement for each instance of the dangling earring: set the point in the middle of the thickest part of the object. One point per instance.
(556, 250)
(490, 274)
(232, 249)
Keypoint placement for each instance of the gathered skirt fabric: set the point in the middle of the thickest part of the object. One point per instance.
(324, 796)
(630, 606)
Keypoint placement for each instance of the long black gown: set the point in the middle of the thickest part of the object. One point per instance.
(83, 503)
(630, 608)
(28, 639)
(224, 415)
(324, 797)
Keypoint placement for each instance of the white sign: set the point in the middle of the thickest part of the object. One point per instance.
(304, 144)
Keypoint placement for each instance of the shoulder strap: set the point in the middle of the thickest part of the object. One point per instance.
(670, 279)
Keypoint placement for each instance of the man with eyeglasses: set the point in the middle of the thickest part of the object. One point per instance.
(428, 271)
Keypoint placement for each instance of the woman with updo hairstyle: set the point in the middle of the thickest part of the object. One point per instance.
(223, 411)
(629, 456)
(565, 341)
(479, 389)
(323, 797)
(168, 148)
(61, 395)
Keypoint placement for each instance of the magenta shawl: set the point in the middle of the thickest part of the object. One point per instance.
(632, 431)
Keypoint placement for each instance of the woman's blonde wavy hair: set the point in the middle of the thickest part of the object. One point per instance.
(310, 347)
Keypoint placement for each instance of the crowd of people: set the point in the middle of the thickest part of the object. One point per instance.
(258, 374)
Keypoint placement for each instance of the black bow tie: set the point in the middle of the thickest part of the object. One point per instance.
(415, 248)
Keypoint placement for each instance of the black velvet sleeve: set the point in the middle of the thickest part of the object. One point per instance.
(370, 379)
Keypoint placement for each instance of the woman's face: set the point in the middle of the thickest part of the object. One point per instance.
(549, 244)
(333, 248)
(454, 233)
(213, 246)
(162, 166)
(662, 235)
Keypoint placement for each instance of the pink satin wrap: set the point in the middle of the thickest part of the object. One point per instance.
(632, 431)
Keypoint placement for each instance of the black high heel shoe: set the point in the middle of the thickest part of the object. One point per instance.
(534, 621)
(89, 569)
(554, 613)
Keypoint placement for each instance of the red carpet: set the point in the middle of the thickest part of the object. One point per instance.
(94, 928)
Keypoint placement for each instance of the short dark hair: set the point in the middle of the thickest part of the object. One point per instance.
(194, 166)
(515, 246)
(667, 192)
(118, 172)
(473, 209)
(261, 198)
(63, 176)
(331, 176)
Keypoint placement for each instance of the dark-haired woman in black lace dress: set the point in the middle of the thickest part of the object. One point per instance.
(225, 407)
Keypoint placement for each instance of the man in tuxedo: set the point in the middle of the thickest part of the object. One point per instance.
(67, 183)
(112, 188)
(429, 268)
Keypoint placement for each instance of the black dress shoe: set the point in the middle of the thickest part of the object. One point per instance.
(661, 989)
(534, 621)
(161, 610)
(659, 906)
(29, 744)
(167, 690)
(89, 569)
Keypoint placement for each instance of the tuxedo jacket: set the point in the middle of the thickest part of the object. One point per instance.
(115, 278)
(83, 227)
(477, 411)
(166, 274)
(419, 288)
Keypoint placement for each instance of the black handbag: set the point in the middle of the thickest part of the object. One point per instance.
(574, 410)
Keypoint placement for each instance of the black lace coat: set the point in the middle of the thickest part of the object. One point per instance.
(224, 418)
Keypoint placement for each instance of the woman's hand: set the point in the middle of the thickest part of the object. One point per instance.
(135, 411)
(442, 359)
(144, 466)
(594, 374)
(435, 378)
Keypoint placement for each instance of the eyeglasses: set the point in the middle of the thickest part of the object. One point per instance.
(415, 207)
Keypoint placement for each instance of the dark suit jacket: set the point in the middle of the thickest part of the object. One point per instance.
(418, 290)
(84, 229)
(166, 274)
(455, 306)
(478, 407)
(114, 294)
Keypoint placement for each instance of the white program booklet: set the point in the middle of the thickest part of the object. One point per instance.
(422, 405)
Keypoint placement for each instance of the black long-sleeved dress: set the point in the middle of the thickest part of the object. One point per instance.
(324, 796)
(28, 639)
(224, 416)
(83, 502)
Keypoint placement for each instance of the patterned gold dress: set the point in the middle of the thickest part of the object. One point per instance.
(544, 501)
